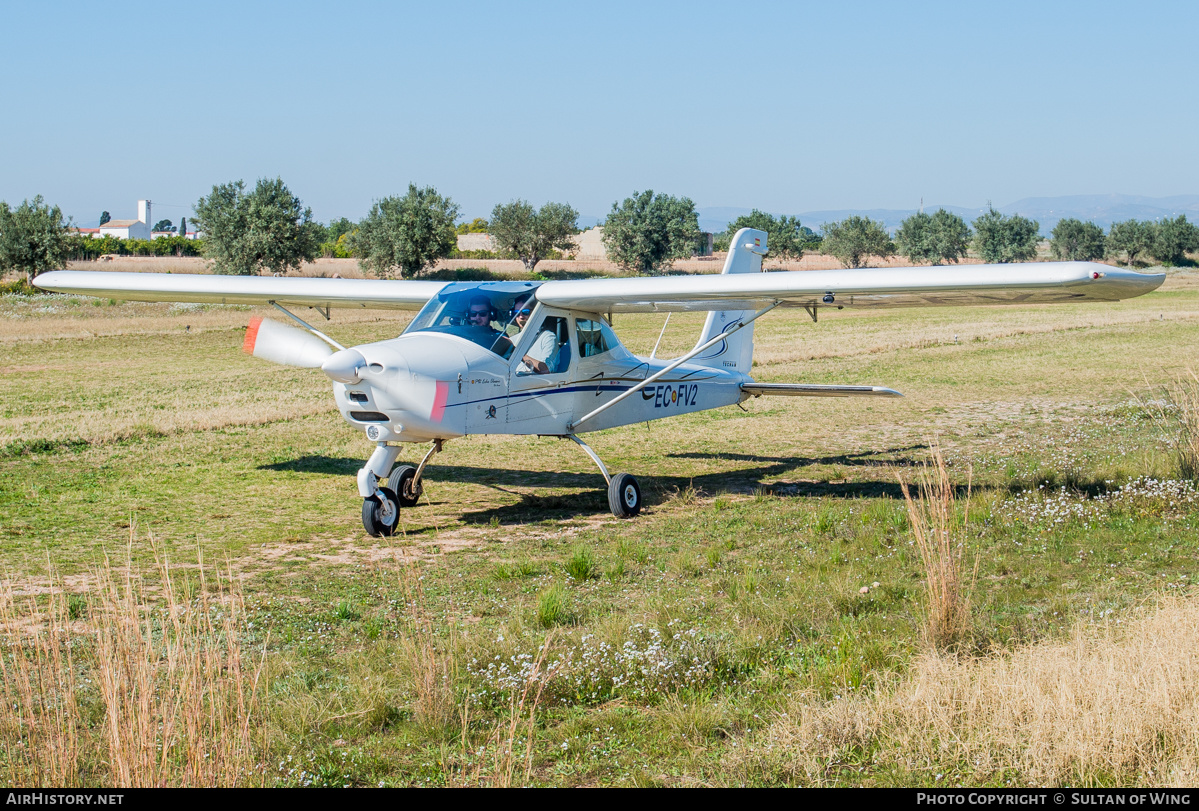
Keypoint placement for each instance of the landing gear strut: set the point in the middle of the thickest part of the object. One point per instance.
(624, 494)
(381, 505)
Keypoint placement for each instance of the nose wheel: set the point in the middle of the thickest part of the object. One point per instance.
(381, 513)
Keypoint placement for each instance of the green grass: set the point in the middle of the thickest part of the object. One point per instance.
(679, 636)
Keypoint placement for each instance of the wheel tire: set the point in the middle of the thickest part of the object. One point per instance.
(400, 481)
(381, 513)
(624, 495)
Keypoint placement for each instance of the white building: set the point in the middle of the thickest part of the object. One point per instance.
(476, 242)
(591, 244)
(129, 229)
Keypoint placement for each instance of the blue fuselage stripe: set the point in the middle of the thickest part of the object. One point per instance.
(546, 392)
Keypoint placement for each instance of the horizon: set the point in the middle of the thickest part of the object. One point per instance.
(715, 219)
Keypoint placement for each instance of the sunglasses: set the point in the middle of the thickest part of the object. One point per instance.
(479, 313)
(525, 311)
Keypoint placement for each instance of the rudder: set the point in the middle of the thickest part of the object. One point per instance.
(734, 353)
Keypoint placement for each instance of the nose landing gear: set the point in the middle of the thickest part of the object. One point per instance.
(381, 505)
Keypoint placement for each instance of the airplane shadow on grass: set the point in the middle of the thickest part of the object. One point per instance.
(656, 489)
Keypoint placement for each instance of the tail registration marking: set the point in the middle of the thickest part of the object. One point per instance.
(668, 395)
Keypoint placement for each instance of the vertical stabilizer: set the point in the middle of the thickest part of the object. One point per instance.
(735, 353)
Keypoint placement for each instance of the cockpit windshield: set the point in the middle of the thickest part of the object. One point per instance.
(481, 312)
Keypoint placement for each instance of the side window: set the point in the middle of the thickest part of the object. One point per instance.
(595, 337)
(550, 351)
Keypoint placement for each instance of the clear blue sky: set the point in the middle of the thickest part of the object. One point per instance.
(787, 107)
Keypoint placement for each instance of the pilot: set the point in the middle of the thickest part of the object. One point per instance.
(478, 314)
(535, 360)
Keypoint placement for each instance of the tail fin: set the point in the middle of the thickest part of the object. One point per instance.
(736, 352)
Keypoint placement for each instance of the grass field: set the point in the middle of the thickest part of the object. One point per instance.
(762, 622)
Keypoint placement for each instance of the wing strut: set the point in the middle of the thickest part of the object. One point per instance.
(677, 362)
(308, 326)
(665, 324)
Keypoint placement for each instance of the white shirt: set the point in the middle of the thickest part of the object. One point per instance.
(544, 346)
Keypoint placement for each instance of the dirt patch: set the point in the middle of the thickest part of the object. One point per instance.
(16, 370)
(349, 551)
(37, 586)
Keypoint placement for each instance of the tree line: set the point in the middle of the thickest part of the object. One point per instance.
(942, 238)
(267, 228)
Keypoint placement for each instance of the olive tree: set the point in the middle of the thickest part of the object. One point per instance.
(786, 238)
(934, 238)
(246, 232)
(476, 226)
(1000, 239)
(648, 231)
(1077, 241)
(1130, 238)
(855, 239)
(34, 238)
(407, 233)
(1173, 239)
(531, 234)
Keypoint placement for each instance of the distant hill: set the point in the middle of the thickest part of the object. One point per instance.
(1102, 209)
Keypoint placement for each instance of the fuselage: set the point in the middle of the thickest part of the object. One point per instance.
(447, 382)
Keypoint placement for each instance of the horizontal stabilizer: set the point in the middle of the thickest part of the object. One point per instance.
(814, 390)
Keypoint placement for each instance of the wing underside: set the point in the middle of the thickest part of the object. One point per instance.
(206, 289)
(965, 285)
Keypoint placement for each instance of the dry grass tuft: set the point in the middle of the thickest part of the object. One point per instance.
(939, 528)
(40, 718)
(510, 745)
(1112, 705)
(1178, 420)
(168, 681)
(432, 670)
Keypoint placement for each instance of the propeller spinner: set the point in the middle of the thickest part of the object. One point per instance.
(289, 346)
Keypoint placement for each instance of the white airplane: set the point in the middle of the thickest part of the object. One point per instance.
(536, 358)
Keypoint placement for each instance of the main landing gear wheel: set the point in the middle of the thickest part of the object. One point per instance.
(381, 513)
(624, 496)
(406, 486)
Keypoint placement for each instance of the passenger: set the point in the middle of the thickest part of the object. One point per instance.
(536, 359)
(521, 310)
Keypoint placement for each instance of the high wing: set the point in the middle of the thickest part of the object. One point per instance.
(1031, 283)
(1026, 283)
(202, 289)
